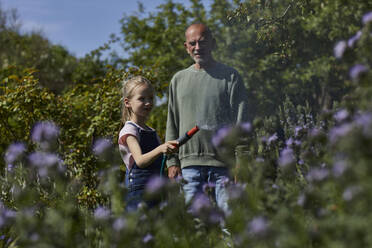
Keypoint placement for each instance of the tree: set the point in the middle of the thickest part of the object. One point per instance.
(55, 67)
(281, 48)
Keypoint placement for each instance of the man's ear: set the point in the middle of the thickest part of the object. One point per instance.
(185, 44)
(126, 102)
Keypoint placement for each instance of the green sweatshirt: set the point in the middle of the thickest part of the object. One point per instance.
(211, 99)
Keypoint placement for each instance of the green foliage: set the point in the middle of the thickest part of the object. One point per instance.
(303, 179)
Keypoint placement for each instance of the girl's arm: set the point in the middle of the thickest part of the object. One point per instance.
(144, 160)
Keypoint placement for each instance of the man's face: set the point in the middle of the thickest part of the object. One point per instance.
(199, 44)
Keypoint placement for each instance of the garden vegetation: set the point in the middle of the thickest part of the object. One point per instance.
(301, 180)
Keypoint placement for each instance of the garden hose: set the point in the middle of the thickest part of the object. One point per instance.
(181, 140)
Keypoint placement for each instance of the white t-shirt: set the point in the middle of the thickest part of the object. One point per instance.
(125, 153)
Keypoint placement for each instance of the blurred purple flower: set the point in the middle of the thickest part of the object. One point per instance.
(246, 126)
(315, 132)
(339, 49)
(102, 213)
(258, 226)
(350, 192)
(237, 190)
(9, 167)
(354, 39)
(155, 184)
(272, 138)
(147, 238)
(119, 224)
(301, 200)
(260, 160)
(220, 135)
(289, 142)
(339, 131)
(14, 152)
(339, 168)
(298, 130)
(356, 71)
(101, 146)
(215, 217)
(297, 142)
(34, 237)
(44, 133)
(6, 215)
(341, 115)
(200, 203)
(286, 157)
(317, 174)
(364, 120)
(367, 18)
(44, 160)
(208, 186)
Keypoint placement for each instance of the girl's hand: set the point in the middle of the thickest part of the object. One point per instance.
(169, 147)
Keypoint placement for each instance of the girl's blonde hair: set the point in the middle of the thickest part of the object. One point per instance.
(127, 90)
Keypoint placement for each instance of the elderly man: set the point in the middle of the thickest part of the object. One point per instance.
(210, 95)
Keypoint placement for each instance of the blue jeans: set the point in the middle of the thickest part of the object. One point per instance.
(197, 176)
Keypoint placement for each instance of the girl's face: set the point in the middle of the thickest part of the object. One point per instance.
(141, 102)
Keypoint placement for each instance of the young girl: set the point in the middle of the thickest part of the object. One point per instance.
(139, 144)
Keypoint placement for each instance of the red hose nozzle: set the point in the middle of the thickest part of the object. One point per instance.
(192, 131)
(183, 139)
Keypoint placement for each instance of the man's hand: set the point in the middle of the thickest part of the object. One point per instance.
(174, 171)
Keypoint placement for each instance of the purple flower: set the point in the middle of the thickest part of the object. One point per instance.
(216, 217)
(101, 147)
(354, 39)
(297, 142)
(221, 134)
(155, 184)
(315, 132)
(258, 226)
(298, 129)
(350, 192)
(260, 160)
(301, 200)
(286, 157)
(14, 152)
(289, 142)
(356, 71)
(340, 131)
(102, 213)
(339, 168)
(119, 224)
(341, 115)
(367, 18)
(246, 126)
(45, 133)
(236, 191)
(317, 174)
(42, 159)
(6, 215)
(208, 186)
(200, 203)
(147, 238)
(272, 138)
(339, 49)
(365, 122)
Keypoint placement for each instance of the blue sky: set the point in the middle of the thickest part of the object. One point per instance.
(78, 25)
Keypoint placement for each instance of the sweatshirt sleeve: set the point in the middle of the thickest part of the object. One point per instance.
(172, 130)
(239, 101)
